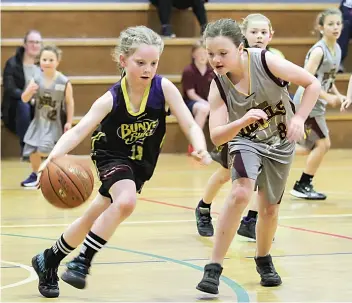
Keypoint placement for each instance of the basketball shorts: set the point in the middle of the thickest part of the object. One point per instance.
(270, 175)
(220, 155)
(111, 170)
(30, 149)
(315, 128)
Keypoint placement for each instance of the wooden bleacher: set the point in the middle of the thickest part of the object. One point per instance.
(87, 35)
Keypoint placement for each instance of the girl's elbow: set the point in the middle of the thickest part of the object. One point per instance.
(215, 139)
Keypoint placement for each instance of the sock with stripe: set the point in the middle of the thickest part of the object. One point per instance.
(55, 254)
(91, 245)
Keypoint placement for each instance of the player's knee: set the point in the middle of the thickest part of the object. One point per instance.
(327, 144)
(323, 145)
(240, 195)
(271, 212)
(224, 179)
(125, 204)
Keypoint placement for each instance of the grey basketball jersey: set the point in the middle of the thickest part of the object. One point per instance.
(46, 129)
(326, 74)
(267, 138)
(30, 71)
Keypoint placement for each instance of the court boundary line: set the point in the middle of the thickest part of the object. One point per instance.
(32, 275)
(241, 293)
(285, 226)
(170, 221)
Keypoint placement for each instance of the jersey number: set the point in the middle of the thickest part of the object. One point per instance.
(137, 152)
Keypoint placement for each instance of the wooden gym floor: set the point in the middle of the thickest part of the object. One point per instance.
(157, 255)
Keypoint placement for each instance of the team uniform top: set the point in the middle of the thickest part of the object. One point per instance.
(129, 136)
(326, 74)
(266, 92)
(46, 127)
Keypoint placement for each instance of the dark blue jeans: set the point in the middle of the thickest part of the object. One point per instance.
(23, 119)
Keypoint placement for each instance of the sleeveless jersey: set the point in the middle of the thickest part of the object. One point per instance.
(326, 74)
(124, 134)
(267, 138)
(46, 127)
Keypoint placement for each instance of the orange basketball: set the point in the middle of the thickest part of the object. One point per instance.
(66, 183)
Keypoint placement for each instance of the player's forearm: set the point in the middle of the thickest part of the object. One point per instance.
(225, 133)
(69, 112)
(196, 137)
(309, 98)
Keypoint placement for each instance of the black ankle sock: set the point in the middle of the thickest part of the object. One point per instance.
(252, 214)
(91, 245)
(306, 179)
(55, 254)
(203, 205)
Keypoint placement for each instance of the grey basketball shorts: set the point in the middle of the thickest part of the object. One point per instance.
(270, 175)
(315, 128)
(30, 149)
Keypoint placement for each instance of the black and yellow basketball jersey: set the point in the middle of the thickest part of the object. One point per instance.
(137, 136)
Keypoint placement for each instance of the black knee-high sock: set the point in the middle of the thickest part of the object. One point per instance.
(55, 254)
(91, 245)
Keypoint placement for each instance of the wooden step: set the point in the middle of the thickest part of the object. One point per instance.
(93, 56)
(339, 126)
(87, 89)
(108, 19)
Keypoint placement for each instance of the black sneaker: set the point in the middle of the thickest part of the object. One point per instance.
(48, 280)
(166, 31)
(269, 276)
(76, 272)
(204, 225)
(247, 228)
(211, 277)
(306, 191)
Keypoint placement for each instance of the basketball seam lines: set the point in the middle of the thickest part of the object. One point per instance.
(92, 181)
(70, 179)
(54, 189)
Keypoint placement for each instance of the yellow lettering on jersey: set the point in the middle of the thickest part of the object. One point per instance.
(138, 130)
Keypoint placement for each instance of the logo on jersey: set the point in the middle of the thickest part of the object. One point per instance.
(271, 111)
(328, 79)
(46, 100)
(137, 131)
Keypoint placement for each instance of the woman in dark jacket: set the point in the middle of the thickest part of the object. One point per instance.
(18, 71)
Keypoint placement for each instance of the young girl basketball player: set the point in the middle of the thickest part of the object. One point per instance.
(49, 91)
(258, 31)
(130, 126)
(323, 61)
(261, 132)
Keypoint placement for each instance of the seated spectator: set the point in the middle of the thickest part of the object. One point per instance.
(165, 8)
(346, 34)
(196, 79)
(18, 72)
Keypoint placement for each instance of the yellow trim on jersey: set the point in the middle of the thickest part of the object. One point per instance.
(97, 137)
(128, 102)
(162, 141)
(249, 77)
